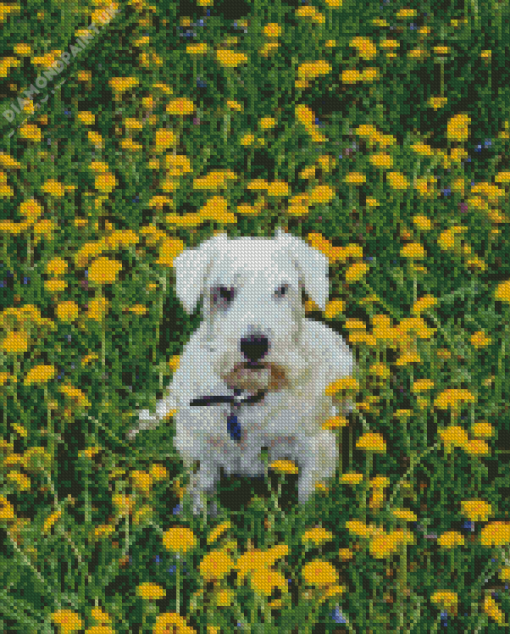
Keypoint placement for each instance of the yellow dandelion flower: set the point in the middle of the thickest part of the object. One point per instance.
(397, 180)
(483, 429)
(413, 250)
(86, 117)
(21, 480)
(67, 312)
(56, 266)
(492, 609)
(450, 539)
(422, 385)
(355, 272)
(124, 504)
(351, 478)
(104, 271)
(284, 466)
(453, 436)
(97, 309)
(321, 194)
(355, 178)
(381, 370)
(502, 292)
(179, 539)
(67, 620)
(333, 308)
(181, 106)
(366, 48)
(457, 127)
(256, 559)
(476, 510)
(95, 138)
(53, 187)
(75, 395)
(216, 565)
(6, 509)
(150, 591)
(230, 58)
(31, 132)
(272, 29)
(224, 599)
(371, 442)
(171, 622)
(351, 76)
(121, 84)
(445, 598)
(40, 374)
(100, 615)
(164, 139)
(219, 530)
(423, 304)
(105, 182)
(103, 531)
(319, 573)
(278, 188)
(264, 581)
(54, 285)
(142, 480)
(16, 342)
(477, 447)
(422, 222)
(50, 521)
(346, 384)
(335, 422)
(405, 514)
(452, 398)
(381, 159)
(7, 161)
(495, 534)
(317, 535)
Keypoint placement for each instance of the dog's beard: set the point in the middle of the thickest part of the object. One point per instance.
(256, 376)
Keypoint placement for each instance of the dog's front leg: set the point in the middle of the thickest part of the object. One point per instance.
(306, 486)
(308, 473)
(204, 481)
(149, 420)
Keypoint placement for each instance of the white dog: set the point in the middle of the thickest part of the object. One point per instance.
(253, 375)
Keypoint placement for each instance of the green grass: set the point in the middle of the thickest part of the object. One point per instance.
(354, 130)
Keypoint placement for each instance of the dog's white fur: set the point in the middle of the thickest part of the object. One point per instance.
(303, 356)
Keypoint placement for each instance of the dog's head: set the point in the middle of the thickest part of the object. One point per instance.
(252, 289)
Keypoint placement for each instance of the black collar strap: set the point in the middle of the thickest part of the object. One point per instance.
(235, 400)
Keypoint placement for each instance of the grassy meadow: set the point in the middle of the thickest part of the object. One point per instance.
(132, 130)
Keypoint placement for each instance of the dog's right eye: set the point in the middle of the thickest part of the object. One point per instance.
(282, 290)
(223, 294)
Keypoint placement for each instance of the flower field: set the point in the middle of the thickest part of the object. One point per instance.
(132, 130)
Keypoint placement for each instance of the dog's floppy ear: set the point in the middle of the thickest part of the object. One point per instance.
(192, 267)
(312, 265)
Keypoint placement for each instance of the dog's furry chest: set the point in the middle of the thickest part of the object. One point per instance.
(266, 420)
(258, 429)
(277, 423)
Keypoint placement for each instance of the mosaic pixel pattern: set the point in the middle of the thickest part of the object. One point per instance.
(254, 316)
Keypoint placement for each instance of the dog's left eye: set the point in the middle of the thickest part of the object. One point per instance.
(223, 294)
(282, 290)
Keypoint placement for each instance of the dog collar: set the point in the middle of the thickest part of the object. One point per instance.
(235, 401)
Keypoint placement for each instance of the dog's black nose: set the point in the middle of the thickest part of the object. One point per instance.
(254, 347)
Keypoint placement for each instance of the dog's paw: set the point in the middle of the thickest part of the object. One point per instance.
(146, 420)
(198, 504)
(306, 487)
